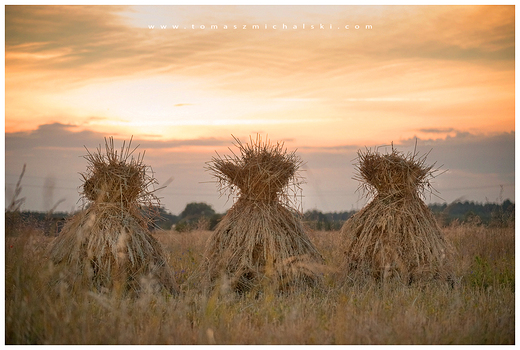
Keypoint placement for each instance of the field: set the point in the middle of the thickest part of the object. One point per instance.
(478, 309)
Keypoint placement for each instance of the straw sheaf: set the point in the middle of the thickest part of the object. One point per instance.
(257, 242)
(263, 172)
(261, 240)
(113, 177)
(400, 239)
(396, 234)
(394, 173)
(106, 246)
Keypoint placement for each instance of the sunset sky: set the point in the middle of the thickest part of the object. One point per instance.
(441, 75)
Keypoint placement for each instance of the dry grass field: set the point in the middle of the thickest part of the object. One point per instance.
(478, 309)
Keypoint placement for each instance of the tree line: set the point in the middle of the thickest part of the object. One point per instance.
(492, 214)
(202, 216)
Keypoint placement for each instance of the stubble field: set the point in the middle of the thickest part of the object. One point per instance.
(478, 309)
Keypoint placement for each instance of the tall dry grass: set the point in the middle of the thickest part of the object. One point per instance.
(478, 309)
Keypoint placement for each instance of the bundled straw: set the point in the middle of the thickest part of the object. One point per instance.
(121, 179)
(263, 172)
(396, 234)
(108, 245)
(261, 240)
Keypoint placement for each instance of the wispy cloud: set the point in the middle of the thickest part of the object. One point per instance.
(88, 36)
(218, 122)
(388, 99)
(482, 162)
(437, 130)
(320, 149)
(474, 153)
(65, 136)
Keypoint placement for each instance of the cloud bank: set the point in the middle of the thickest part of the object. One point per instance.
(477, 165)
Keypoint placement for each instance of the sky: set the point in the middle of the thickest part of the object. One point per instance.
(325, 80)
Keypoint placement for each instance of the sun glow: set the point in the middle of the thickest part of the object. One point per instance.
(172, 107)
(320, 87)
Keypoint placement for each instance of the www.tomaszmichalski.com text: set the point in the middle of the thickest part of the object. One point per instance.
(263, 26)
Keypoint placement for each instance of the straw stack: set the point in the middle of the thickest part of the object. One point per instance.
(260, 241)
(108, 245)
(396, 234)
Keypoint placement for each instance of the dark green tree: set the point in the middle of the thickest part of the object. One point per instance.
(197, 214)
(196, 210)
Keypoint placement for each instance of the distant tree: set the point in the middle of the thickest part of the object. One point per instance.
(319, 221)
(196, 210)
(214, 220)
(503, 215)
(197, 215)
(165, 220)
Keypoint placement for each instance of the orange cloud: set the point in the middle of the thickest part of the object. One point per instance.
(418, 67)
